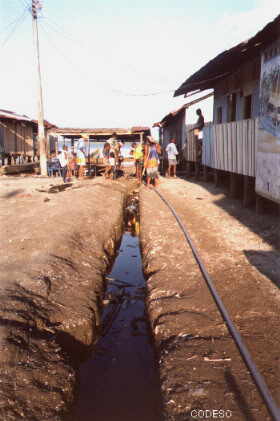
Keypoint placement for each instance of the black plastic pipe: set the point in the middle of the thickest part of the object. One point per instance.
(270, 403)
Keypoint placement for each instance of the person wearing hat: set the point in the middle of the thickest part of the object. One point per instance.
(113, 139)
(151, 160)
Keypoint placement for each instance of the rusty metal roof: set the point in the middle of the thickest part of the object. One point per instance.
(101, 131)
(11, 115)
(47, 124)
(173, 114)
(230, 60)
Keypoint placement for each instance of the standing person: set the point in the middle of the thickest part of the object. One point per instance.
(139, 161)
(106, 155)
(63, 161)
(73, 165)
(69, 159)
(199, 123)
(112, 164)
(198, 132)
(113, 139)
(81, 162)
(117, 150)
(172, 152)
(151, 160)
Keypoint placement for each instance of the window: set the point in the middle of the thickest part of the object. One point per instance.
(247, 106)
(231, 107)
(219, 115)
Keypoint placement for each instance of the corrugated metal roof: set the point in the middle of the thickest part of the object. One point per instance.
(228, 61)
(14, 116)
(101, 131)
(11, 115)
(47, 124)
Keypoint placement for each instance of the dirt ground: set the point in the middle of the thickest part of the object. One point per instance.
(57, 242)
(200, 367)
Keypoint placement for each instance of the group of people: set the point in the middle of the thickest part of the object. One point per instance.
(146, 156)
(112, 156)
(67, 163)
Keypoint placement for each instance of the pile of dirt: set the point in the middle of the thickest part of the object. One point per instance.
(55, 253)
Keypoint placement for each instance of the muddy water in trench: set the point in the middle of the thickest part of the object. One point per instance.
(120, 381)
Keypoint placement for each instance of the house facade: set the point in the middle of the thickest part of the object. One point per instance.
(244, 138)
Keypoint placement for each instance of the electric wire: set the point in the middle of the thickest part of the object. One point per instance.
(59, 52)
(55, 27)
(17, 23)
(258, 379)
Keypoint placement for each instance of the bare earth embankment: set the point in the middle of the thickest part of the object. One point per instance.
(56, 244)
(199, 365)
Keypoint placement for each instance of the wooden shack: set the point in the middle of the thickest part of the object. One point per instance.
(230, 143)
(16, 137)
(72, 137)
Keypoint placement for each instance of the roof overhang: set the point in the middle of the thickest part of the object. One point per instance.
(229, 61)
(174, 114)
(102, 132)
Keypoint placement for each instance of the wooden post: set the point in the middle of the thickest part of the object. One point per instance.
(188, 168)
(233, 185)
(259, 205)
(248, 191)
(41, 126)
(205, 173)
(216, 178)
(197, 170)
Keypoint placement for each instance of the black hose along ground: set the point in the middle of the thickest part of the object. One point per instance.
(120, 381)
(258, 379)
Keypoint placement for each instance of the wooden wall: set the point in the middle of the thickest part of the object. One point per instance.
(175, 128)
(231, 146)
(190, 150)
(16, 137)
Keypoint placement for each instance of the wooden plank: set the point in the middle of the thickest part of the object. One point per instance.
(245, 148)
(15, 169)
(239, 148)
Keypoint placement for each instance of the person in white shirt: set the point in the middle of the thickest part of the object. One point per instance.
(172, 152)
(63, 160)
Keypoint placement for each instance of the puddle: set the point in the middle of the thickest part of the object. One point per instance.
(120, 382)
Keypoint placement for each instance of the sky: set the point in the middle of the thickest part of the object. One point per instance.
(108, 63)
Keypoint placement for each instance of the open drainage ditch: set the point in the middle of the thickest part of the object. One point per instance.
(120, 381)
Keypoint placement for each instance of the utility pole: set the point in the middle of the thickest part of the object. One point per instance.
(35, 6)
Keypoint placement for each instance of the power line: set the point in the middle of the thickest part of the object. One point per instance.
(17, 23)
(25, 3)
(120, 92)
(46, 31)
(11, 23)
(55, 27)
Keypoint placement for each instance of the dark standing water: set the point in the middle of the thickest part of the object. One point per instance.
(120, 381)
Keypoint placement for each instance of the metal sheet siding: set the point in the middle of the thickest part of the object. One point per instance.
(231, 146)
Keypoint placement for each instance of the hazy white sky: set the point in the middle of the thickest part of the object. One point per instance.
(109, 63)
